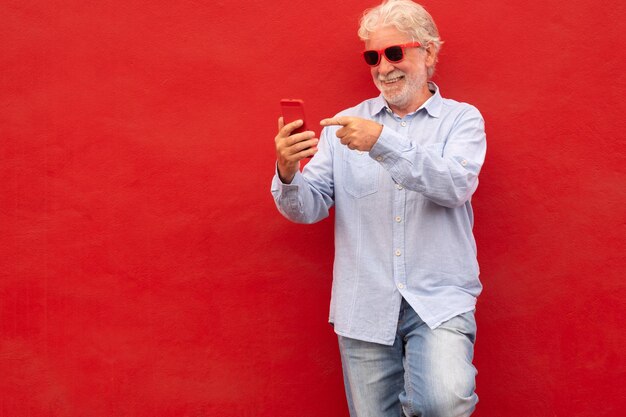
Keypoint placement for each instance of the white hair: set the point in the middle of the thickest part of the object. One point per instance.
(406, 16)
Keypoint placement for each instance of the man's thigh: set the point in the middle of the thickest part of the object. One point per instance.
(439, 375)
(373, 377)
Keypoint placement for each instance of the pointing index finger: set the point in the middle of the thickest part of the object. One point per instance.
(335, 121)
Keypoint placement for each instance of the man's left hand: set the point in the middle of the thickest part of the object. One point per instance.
(355, 133)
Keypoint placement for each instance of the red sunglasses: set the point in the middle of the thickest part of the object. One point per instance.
(394, 53)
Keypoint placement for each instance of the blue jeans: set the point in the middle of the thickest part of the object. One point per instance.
(426, 373)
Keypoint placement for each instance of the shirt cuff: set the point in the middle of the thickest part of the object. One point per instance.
(390, 145)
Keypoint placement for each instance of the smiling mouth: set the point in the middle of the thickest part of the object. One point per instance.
(391, 80)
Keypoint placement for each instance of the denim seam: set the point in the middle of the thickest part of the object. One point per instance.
(408, 387)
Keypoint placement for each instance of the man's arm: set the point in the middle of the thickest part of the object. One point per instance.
(302, 197)
(446, 173)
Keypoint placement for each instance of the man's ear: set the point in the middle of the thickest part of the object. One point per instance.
(431, 54)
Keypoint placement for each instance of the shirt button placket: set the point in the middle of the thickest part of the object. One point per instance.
(398, 237)
(399, 207)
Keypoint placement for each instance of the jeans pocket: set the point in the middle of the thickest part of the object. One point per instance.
(464, 324)
(361, 174)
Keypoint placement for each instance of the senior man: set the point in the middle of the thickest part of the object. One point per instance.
(400, 170)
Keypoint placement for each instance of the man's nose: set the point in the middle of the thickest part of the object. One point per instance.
(385, 66)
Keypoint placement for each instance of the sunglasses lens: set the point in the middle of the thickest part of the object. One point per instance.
(371, 57)
(394, 53)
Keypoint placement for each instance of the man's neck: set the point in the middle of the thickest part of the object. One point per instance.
(418, 101)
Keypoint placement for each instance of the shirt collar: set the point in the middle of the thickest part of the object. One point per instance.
(433, 105)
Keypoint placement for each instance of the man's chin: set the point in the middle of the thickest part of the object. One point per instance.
(395, 99)
(395, 93)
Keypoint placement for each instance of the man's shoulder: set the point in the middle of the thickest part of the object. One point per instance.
(462, 106)
(447, 106)
(455, 109)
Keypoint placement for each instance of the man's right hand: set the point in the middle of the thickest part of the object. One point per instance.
(290, 149)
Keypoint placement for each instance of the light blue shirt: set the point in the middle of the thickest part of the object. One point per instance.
(403, 215)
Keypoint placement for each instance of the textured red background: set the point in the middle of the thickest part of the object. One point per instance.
(145, 271)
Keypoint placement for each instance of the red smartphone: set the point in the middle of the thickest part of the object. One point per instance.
(292, 110)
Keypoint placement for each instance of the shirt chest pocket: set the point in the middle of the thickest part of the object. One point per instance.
(361, 174)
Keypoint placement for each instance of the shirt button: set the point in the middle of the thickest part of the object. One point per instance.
(401, 286)
(398, 252)
(398, 219)
(379, 158)
(398, 186)
(464, 162)
(403, 124)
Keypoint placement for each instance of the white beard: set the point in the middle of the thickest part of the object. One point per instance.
(399, 95)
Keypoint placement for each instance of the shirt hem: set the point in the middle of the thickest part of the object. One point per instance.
(433, 326)
(364, 338)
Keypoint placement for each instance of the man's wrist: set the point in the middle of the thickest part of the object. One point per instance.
(286, 175)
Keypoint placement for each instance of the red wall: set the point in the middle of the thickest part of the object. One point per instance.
(146, 272)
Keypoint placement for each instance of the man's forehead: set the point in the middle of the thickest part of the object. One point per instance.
(387, 35)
